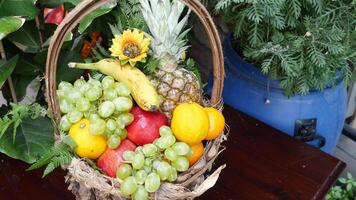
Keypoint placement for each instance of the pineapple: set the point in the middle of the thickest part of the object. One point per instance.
(173, 83)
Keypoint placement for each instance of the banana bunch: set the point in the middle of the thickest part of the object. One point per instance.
(142, 90)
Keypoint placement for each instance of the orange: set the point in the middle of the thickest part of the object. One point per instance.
(216, 123)
(198, 150)
(88, 145)
(190, 123)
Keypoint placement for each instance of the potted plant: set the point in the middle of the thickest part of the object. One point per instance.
(287, 63)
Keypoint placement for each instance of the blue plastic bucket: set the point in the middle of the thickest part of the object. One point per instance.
(250, 91)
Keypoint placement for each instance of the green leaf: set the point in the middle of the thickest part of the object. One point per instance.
(9, 25)
(27, 68)
(26, 38)
(65, 73)
(27, 88)
(25, 8)
(87, 20)
(68, 37)
(55, 3)
(6, 69)
(33, 139)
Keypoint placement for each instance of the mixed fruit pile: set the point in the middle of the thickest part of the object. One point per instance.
(141, 148)
(142, 129)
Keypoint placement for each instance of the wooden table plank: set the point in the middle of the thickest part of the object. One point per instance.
(261, 163)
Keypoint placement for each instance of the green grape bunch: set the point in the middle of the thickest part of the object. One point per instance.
(106, 103)
(149, 165)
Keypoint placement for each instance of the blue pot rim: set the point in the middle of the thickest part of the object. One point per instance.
(254, 74)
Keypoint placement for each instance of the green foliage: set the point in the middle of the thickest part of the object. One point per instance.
(25, 132)
(303, 43)
(6, 69)
(345, 190)
(17, 114)
(9, 25)
(128, 15)
(192, 66)
(59, 154)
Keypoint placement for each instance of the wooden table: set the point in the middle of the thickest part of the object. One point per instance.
(262, 163)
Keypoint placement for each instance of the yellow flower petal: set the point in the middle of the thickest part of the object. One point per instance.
(132, 38)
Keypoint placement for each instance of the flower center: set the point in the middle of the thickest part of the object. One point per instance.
(132, 50)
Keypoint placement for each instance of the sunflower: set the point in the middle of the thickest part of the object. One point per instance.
(131, 46)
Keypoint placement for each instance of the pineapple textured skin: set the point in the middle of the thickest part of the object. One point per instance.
(174, 87)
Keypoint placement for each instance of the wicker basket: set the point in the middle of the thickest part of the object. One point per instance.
(87, 183)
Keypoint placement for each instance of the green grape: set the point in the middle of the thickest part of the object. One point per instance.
(95, 83)
(61, 94)
(83, 104)
(97, 127)
(140, 176)
(191, 152)
(63, 85)
(126, 118)
(173, 175)
(94, 93)
(170, 154)
(148, 161)
(114, 141)
(181, 148)
(149, 150)
(123, 104)
(138, 161)
(65, 106)
(108, 82)
(124, 171)
(110, 94)
(84, 88)
(166, 141)
(106, 109)
(139, 150)
(128, 186)
(165, 131)
(181, 164)
(111, 124)
(79, 83)
(152, 182)
(74, 116)
(148, 169)
(65, 124)
(163, 170)
(155, 164)
(107, 133)
(120, 124)
(140, 194)
(128, 155)
(123, 134)
(122, 89)
(94, 117)
(74, 95)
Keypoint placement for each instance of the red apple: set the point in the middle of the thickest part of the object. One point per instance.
(111, 159)
(145, 127)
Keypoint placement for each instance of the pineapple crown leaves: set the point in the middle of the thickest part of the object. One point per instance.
(163, 18)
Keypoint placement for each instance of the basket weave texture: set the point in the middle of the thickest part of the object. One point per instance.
(85, 182)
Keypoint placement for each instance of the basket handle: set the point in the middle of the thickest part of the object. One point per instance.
(86, 7)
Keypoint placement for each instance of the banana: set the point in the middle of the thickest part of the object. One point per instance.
(142, 90)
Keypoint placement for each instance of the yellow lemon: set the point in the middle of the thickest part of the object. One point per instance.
(190, 123)
(88, 145)
(216, 123)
